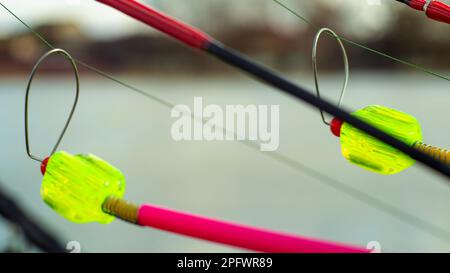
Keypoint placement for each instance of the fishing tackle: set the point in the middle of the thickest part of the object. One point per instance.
(364, 150)
(372, 154)
(86, 188)
(75, 186)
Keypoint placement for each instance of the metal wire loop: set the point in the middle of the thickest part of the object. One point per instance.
(30, 80)
(316, 74)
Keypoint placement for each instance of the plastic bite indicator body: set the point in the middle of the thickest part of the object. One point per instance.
(76, 186)
(372, 154)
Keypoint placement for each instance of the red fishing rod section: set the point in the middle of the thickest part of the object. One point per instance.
(435, 10)
(180, 31)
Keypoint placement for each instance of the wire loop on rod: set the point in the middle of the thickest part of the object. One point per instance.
(315, 69)
(30, 81)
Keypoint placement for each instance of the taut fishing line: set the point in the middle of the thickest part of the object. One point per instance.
(327, 180)
(374, 51)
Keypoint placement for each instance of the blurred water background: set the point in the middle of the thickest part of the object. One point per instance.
(226, 179)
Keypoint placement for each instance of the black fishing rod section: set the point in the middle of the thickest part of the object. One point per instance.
(235, 59)
(32, 231)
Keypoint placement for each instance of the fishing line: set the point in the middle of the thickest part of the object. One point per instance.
(87, 66)
(361, 196)
(374, 51)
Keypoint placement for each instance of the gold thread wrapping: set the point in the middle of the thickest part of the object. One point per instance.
(440, 154)
(121, 209)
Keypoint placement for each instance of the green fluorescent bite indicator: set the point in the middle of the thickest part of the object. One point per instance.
(372, 154)
(76, 186)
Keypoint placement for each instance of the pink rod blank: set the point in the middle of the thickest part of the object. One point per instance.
(236, 235)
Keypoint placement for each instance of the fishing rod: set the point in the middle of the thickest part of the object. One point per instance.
(435, 10)
(33, 232)
(228, 233)
(197, 39)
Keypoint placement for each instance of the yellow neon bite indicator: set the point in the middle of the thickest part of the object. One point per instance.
(76, 186)
(373, 154)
